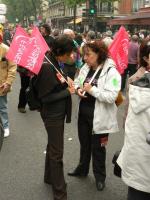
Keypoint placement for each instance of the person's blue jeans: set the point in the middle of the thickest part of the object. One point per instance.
(4, 111)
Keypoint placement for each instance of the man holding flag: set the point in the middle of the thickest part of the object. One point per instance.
(54, 92)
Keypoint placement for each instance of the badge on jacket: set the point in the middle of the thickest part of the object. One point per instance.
(60, 78)
(104, 141)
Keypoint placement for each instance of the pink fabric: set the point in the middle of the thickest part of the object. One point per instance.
(28, 51)
(119, 49)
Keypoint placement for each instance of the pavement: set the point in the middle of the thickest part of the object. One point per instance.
(23, 153)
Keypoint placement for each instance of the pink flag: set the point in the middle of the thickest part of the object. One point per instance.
(28, 51)
(119, 49)
(33, 57)
(18, 45)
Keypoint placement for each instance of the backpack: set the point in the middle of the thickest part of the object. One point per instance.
(32, 95)
(22, 70)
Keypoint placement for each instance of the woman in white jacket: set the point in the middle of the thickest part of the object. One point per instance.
(134, 158)
(101, 82)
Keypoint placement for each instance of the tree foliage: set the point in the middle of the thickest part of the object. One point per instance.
(75, 2)
(21, 9)
(72, 3)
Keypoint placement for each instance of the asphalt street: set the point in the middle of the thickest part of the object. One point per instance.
(23, 153)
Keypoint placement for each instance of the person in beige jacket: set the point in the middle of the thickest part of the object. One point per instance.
(7, 75)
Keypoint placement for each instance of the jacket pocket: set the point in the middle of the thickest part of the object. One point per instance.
(3, 64)
(3, 72)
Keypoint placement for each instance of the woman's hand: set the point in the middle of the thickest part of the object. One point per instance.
(70, 82)
(87, 87)
(81, 93)
(71, 90)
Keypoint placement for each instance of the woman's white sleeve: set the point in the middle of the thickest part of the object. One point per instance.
(112, 86)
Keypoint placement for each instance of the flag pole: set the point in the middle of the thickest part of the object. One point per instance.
(97, 70)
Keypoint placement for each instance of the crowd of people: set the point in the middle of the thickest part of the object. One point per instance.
(81, 65)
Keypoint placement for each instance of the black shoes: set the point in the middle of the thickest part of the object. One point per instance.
(100, 185)
(47, 181)
(78, 173)
(22, 110)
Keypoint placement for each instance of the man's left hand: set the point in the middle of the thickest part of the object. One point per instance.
(5, 87)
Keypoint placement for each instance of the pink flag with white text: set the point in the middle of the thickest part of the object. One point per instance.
(119, 49)
(18, 45)
(33, 57)
(28, 51)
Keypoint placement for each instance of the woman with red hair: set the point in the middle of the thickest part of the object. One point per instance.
(97, 85)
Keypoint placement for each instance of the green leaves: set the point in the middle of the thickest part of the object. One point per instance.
(72, 3)
(20, 9)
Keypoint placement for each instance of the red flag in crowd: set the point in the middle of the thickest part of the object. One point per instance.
(28, 51)
(119, 49)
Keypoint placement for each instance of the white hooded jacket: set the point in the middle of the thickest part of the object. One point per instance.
(106, 92)
(134, 158)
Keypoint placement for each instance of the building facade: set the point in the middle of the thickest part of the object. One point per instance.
(61, 16)
(137, 16)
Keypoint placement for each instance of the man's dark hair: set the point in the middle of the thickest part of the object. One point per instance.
(47, 28)
(78, 39)
(62, 45)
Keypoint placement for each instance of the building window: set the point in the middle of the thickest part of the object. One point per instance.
(106, 7)
(147, 3)
(137, 4)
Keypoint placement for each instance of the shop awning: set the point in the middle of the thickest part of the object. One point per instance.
(78, 20)
(140, 18)
(130, 21)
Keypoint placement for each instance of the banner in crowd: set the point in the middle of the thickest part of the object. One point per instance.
(28, 51)
(119, 49)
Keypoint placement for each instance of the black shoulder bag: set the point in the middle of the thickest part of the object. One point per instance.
(32, 95)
